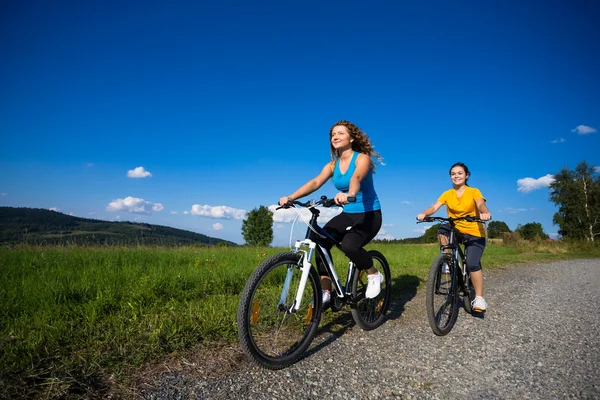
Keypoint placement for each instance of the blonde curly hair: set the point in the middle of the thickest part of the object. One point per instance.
(361, 143)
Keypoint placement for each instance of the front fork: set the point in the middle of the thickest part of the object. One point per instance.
(461, 272)
(305, 268)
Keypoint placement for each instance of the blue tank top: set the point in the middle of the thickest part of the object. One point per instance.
(366, 198)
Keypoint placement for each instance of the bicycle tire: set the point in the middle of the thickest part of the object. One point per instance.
(269, 334)
(469, 296)
(442, 296)
(370, 313)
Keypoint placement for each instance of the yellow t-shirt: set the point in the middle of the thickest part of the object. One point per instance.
(463, 206)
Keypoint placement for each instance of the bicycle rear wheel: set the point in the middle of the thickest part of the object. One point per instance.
(370, 313)
(270, 332)
(442, 295)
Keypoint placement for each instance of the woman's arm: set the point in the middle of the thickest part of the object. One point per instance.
(430, 210)
(311, 185)
(484, 213)
(363, 164)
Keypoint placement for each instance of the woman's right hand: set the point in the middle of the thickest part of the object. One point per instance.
(285, 200)
(421, 216)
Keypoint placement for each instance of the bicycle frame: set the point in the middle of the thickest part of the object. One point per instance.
(457, 252)
(314, 235)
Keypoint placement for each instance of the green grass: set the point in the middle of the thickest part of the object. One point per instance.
(73, 316)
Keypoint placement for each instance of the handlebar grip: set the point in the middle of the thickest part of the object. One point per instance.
(289, 204)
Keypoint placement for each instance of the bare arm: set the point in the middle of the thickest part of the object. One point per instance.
(484, 213)
(430, 210)
(311, 185)
(363, 164)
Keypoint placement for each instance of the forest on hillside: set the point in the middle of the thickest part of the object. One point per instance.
(20, 225)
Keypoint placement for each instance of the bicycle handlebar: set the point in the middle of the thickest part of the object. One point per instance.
(324, 201)
(468, 218)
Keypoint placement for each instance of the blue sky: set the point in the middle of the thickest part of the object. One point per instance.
(190, 114)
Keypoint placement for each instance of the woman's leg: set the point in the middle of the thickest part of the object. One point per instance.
(474, 247)
(364, 228)
(477, 279)
(444, 236)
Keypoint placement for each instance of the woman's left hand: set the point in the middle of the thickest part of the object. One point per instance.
(342, 198)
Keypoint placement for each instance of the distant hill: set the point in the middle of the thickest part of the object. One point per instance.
(40, 226)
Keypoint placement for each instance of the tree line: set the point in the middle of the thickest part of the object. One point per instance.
(576, 193)
(21, 225)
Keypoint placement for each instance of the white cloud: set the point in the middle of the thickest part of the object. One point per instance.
(217, 212)
(383, 235)
(174, 213)
(54, 209)
(185, 212)
(405, 202)
(584, 130)
(138, 172)
(218, 226)
(134, 205)
(527, 185)
(289, 214)
(511, 210)
(561, 140)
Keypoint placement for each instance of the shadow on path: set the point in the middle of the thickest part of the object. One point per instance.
(404, 288)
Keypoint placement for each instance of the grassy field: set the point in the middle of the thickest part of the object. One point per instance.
(72, 317)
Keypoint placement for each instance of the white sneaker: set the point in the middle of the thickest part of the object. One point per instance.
(326, 297)
(374, 286)
(478, 304)
(445, 269)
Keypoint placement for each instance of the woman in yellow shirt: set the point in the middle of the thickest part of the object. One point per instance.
(460, 201)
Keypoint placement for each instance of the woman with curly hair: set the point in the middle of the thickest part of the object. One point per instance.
(352, 167)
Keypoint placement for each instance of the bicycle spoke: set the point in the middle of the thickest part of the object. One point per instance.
(441, 296)
(272, 331)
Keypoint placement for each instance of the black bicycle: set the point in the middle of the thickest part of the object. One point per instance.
(449, 280)
(280, 307)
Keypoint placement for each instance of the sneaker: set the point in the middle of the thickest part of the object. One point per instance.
(479, 304)
(445, 269)
(326, 297)
(374, 286)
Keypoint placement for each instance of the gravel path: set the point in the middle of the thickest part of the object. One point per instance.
(540, 339)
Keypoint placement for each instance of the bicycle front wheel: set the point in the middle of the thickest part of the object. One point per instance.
(468, 295)
(370, 313)
(271, 331)
(442, 295)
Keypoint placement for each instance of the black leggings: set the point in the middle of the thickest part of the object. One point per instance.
(354, 231)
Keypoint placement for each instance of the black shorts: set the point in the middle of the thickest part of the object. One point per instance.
(474, 246)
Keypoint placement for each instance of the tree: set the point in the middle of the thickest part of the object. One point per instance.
(257, 228)
(530, 230)
(497, 228)
(430, 235)
(577, 195)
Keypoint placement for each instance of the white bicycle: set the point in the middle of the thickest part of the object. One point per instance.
(280, 307)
